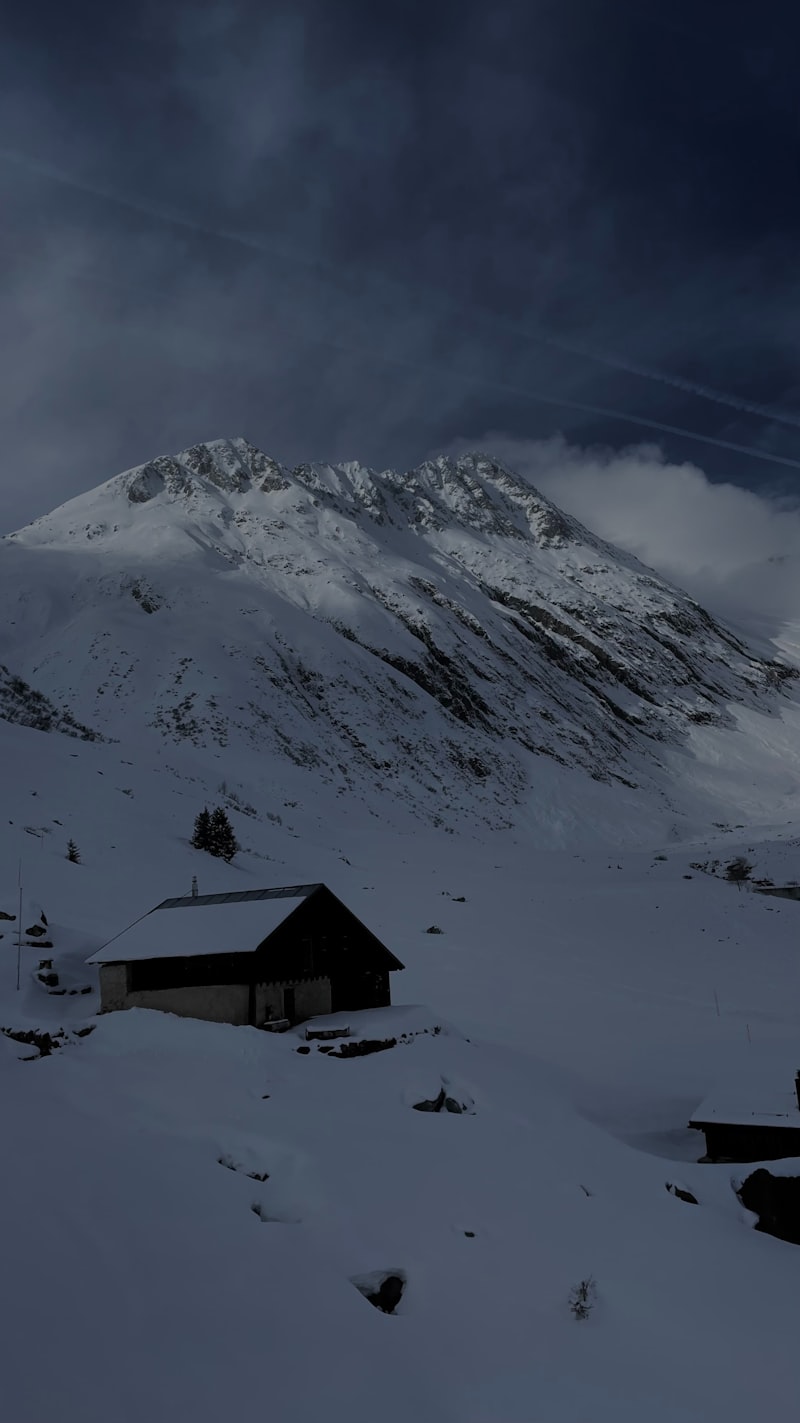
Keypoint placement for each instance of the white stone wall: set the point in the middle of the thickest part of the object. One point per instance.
(216, 1003)
(312, 997)
(113, 986)
(269, 1002)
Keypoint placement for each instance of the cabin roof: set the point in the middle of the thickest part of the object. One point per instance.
(229, 924)
(235, 923)
(760, 1094)
(241, 896)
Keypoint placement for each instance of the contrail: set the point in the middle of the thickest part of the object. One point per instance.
(252, 244)
(705, 392)
(545, 398)
(95, 190)
(258, 245)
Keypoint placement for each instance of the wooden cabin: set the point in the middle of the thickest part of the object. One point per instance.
(779, 891)
(754, 1120)
(257, 956)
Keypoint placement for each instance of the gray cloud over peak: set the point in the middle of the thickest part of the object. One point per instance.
(736, 550)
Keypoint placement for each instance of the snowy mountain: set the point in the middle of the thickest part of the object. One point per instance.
(192, 1215)
(433, 644)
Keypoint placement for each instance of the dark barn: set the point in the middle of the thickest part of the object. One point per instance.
(785, 891)
(758, 1120)
(749, 1141)
(257, 956)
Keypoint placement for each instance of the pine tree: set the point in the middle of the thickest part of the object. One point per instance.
(73, 853)
(738, 871)
(223, 840)
(201, 838)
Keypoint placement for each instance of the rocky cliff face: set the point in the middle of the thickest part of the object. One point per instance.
(434, 636)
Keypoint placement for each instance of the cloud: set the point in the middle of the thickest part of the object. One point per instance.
(736, 551)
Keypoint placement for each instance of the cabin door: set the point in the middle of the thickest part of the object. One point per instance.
(289, 1010)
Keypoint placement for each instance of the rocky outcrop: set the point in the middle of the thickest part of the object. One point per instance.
(25, 706)
(776, 1202)
(383, 1290)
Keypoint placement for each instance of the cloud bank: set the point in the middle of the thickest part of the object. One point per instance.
(736, 551)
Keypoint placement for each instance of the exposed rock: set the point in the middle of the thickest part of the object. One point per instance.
(776, 1202)
(231, 1164)
(384, 1291)
(23, 705)
(433, 1104)
(363, 1047)
(44, 1041)
(444, 1102)
(682, 1194)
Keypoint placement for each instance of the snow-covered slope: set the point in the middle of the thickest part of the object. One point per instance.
(433, 645)
(584, 1003)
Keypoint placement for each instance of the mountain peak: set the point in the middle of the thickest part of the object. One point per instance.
(233, 466)
(228, 477)
(435, 636)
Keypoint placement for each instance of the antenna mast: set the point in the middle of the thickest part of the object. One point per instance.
(19, 923)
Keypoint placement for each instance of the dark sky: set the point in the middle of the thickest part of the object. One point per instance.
(351, 229)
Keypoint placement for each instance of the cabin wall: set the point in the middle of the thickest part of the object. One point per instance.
(355, 991)
(214, 1002)
(321, 939)
(113, 986)
(312, 998)
(726, 1142)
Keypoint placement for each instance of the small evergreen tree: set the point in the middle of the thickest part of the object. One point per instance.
(223, 840)
(73, 853)
(201, 838)
(738, 871)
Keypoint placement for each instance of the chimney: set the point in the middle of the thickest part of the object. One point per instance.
(194, 890)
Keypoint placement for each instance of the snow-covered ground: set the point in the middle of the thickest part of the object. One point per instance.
(584, 1002)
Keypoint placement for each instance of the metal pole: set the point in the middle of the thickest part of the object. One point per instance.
(19, 924)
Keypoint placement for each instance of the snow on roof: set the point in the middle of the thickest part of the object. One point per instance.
(764, 1096)
(229, 923)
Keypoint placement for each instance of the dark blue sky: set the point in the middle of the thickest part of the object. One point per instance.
(360, 230)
